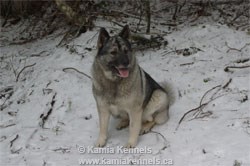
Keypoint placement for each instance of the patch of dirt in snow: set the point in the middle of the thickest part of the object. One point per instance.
(49, 115)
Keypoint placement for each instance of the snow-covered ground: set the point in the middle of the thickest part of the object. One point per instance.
(219, 135)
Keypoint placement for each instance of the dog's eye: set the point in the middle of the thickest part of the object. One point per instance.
(113, 52)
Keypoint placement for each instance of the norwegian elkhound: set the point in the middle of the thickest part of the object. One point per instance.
(123, 89)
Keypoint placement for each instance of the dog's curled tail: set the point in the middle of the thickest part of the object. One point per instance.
(170, 92)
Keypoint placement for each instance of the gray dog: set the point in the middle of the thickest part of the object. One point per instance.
(122, 88)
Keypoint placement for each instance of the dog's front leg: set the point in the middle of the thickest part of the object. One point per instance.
(104, 116)
(135, 118)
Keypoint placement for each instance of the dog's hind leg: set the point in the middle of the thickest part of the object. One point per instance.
(161, 116)
(156, 112)
(157, 108)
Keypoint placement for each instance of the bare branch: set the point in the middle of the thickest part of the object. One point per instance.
(71, 68)
(25, 67)
(194, 109)
(205, 96)
(44, 117)
(201, 105)
(236, 49)
(226, 85)
(148, 15)
(235, 67)
(12, 141)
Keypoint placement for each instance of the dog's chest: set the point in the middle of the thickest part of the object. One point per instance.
(118, 95)
(114, 92)
(118, 111)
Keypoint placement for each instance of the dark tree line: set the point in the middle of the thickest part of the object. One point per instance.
(142, 15)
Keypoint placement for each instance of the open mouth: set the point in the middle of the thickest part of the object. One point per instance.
(122, 72)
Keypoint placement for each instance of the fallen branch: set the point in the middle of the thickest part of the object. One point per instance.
(12, 141)
(201, 105)
(71, 68)
(63, 150)
(39, 54)
(6, 93)
(30, 137)
(202, 98)
(235, 67)
(9, 125)
(25, 67)
(21, 42)
(185, 51)
(91, 39)
(236, 49)
(44, 117)
(226, 85)
(164, 138)
(194, 109)
(16, 151)
(184, 64)
(202, 115)
(242, 60)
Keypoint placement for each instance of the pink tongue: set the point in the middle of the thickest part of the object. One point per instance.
(123, 73)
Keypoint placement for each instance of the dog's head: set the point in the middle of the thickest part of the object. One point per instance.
(115, 53)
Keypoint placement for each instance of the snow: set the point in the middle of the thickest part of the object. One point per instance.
(220, 138)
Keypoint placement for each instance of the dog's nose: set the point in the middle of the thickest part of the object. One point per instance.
(124, 61)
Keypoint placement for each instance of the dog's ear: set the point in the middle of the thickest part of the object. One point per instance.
(125, 32)
(103, 37)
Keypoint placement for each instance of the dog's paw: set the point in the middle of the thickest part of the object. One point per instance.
(146, 127)
(145, 131)
(130, 145)
(100, 143)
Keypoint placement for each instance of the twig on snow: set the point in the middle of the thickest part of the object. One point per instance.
(63, 150)
(184, 64)
(202, 98)
(91, 39)
(16, 151)
(12, 141)
(30, 137)
(235, 67)
(242, 60)
(25, 67)
(44, 117)
(201, 105)
(236, 49)
(9, 125)
(226, 85)
(194, 109)
(71, 68)
(164, 138)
